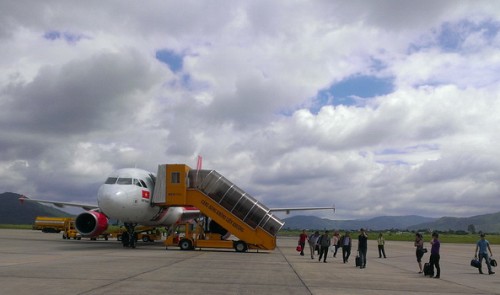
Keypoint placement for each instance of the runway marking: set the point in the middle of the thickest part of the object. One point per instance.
(294, 271)
(139, 274)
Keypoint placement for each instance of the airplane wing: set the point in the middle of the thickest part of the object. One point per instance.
(287, 210)
(60, 204)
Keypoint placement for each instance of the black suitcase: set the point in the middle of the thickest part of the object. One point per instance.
(358, 261)
(428, 271)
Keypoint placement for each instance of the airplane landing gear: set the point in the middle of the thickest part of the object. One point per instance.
(129, 238)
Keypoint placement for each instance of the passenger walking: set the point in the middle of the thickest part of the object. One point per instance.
(362, 247)
(434, 259)
(346, 243)
(313, 242)
(419, 244)
(324, 243)
(482, 247)
(336, 243)
(302, 241)
(381, 244)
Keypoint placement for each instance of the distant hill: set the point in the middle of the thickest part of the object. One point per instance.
(377, 223)
(13, 212)
(489, 223)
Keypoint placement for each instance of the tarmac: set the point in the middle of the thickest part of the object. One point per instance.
(32, 262)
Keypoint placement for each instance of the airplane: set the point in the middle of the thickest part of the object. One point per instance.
(126, 196)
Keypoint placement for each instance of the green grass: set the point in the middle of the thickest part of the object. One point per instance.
(389, 236)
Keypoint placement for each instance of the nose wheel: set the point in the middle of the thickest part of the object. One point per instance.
(129, 238)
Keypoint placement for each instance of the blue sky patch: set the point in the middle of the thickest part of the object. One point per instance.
(408, 149)
(450, 37)
(362, 86)
(66, 36)
(348, 91)
(52, 35)
(170, 58)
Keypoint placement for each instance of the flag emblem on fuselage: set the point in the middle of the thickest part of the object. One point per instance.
(145, 195)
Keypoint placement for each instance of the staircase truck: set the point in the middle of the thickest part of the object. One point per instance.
(251, 223)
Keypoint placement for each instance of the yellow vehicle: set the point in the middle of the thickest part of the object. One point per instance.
(149, 235)
(70, 231)
(52, 224)
(143, 233)
(227, 207)
(189, 236)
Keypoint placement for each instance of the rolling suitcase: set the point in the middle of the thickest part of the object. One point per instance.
(428, 271)
(358, 261)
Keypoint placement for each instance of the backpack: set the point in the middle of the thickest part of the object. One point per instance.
(325, 242)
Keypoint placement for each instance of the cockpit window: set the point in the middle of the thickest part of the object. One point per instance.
(143, 183)
(124, 181)
(137, 182)
(110, 180)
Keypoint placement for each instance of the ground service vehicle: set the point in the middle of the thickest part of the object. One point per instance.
(70, 231)
(189, 236)
(143, 233)
(224, 209)
(51, 224)
(149, 235)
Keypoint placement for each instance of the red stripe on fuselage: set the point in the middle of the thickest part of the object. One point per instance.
(191, 209)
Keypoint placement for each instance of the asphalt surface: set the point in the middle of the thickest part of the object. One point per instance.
(32, 262)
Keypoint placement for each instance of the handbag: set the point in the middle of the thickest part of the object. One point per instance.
(493, 262)
(475, 263)
(424, 250)
(299, 248)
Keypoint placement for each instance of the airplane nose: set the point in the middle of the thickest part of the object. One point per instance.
(110, 196)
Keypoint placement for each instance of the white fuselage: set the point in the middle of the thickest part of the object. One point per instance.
(126, 196)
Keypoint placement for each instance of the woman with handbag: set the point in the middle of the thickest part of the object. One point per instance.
(419, 244)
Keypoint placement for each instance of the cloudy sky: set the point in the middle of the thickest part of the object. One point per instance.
(379, 107)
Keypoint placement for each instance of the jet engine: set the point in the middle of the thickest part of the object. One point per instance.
(91, 223)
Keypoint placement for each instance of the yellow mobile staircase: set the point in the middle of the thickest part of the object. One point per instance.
(220, 200)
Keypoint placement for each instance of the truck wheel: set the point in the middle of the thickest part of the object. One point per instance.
(240, 246)
(145, 239)
(185, 244)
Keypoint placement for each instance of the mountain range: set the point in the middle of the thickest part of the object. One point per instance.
(489, 223)
(13, 212)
